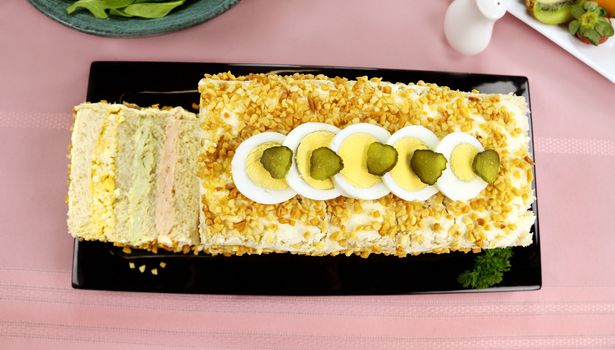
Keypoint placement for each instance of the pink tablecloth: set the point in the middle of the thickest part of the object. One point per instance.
(43, 73)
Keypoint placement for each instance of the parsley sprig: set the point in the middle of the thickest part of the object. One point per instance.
(489, 269)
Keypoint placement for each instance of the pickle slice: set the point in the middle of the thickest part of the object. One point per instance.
(427, 165)
(486, 164)
(325, 163)
(277, 160)
(381, 158)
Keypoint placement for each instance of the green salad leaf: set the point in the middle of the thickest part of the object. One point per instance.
(151, 9)
(126, 8)
(98, 7)
(489, 269)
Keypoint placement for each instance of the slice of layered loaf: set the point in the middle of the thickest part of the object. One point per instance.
(133, 176)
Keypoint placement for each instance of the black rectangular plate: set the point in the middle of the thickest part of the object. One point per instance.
(101, 266)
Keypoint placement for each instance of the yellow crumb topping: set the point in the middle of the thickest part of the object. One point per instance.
(236, 108)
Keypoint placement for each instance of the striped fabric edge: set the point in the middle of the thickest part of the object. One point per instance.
(256, 340)
(413, 307)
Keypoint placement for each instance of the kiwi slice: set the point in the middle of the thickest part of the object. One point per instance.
(277, 160)
(381, 158)
(427, 165)
(325, 163)
(552, 11)
(486, 164)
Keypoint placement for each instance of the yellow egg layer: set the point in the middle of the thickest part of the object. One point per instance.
(303, 155)
(102, 182)
(461, 161)
(402, 172)
(353, 152)
(257, 172)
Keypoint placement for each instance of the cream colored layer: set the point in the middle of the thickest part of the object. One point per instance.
(177, 183)
(88, 119)
(187, 183)
(165, 184)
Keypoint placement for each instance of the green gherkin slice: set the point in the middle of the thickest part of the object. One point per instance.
(277, 160)
(427, 165)
(325, 163)
(381, 158)
(486, 164)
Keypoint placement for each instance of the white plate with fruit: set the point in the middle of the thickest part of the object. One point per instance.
(593, 41)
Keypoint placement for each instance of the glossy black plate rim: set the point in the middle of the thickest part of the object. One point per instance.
(86, 276)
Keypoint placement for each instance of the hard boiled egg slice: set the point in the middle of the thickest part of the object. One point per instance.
(249, 175)
(458, 181)
(401, 180)
(351, 145)
(303, 140)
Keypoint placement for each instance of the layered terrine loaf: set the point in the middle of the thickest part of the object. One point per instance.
(167, 178)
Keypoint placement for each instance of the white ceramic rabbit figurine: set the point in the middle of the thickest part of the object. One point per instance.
(468, 24)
